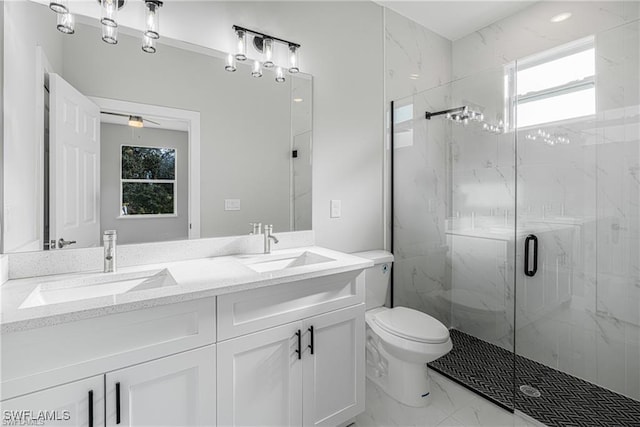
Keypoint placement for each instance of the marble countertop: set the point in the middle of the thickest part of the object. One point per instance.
(199, 278)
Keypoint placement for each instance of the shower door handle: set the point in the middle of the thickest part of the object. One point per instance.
(528, 271)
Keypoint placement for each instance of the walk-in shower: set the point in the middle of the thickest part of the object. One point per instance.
(516, 223)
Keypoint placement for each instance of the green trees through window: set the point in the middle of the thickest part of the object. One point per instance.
(148, 180)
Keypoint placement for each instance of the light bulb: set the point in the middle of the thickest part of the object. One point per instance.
(109, 11)
(293, 59)
(257, 69)
(280, 75)
(59, 6)
(148, 44)
(241, 53)
(448, 116)
(231, 63)
(66, 23)
(267, 48)
(152, 19)
(110, 34)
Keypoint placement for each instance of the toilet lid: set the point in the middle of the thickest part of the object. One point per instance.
(412, 324)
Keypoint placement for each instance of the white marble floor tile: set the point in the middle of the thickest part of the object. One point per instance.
(451, 406)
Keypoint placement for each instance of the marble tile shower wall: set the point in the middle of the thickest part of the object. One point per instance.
(420, 270)
(421, 274)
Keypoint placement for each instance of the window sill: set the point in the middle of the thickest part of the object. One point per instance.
(147, 216)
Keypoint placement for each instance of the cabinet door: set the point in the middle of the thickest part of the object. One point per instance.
(76, 404)
(260, 379)
(178, 390)
(333, 376)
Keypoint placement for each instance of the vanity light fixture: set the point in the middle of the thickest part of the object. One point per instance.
(231, 63)
(241, 53)
(109, 34)
(293, 59)
(267, 48)
(59, 6)
(109, 23)
(148, 44)
(257, 69)
(265, 44)
(152, 19)
(66, 23)
(109, 12)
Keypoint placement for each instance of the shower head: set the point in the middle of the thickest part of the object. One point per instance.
(459, 114)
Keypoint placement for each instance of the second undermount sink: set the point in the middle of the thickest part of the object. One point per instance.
(108, 284)
(268, 263)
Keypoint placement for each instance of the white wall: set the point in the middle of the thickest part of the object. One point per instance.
(342, 48)
(22, 172)
(132, 229)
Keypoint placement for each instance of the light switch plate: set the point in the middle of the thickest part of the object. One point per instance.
(336, 208)
(231, 204)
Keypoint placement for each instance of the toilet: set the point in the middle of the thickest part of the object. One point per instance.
(400, 341)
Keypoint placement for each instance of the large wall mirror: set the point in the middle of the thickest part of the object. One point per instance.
(163, 146)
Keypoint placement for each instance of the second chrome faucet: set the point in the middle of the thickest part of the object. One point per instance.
(268, 229)
(268, 237)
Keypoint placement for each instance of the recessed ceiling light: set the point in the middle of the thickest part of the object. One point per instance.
(414, 76)
(298, 99)
(561, 17)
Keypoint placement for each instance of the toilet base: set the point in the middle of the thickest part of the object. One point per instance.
(408, 383)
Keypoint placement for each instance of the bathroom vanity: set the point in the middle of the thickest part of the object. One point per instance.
(272, 339)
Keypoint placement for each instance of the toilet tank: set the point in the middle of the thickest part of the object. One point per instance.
(377, 279)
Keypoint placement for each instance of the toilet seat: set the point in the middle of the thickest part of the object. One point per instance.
(412, 325)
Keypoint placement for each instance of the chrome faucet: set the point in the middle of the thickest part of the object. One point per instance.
(109, 238)
(268, 229)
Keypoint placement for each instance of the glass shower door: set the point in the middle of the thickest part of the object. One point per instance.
(454, 224)
(578, 227)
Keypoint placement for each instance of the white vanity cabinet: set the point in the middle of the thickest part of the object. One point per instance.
(333, 376)
(272, 378)
(285, 354)
(77, 404)
(178, 390)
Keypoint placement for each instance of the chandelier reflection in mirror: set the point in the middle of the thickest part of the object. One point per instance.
(265, 45)
(109, 21)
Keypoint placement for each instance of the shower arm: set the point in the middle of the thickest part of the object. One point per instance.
(428, 115)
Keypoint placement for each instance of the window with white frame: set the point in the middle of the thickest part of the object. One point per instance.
(556, 85)
(148, 181)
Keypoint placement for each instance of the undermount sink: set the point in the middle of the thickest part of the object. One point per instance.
(282, 262)
(107, 284)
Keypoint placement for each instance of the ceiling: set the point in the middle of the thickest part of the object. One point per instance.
(455, 19)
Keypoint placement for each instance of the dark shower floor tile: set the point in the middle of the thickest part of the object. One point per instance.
(564, 399)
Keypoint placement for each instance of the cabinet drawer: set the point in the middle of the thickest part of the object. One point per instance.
(44, 357)
(253, 310)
